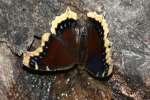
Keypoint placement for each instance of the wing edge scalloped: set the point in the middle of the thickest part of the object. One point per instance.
(27, 55)
(58, 19)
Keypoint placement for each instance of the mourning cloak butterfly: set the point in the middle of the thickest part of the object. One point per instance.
(61, 49)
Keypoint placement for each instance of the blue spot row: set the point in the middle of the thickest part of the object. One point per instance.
(65, 24)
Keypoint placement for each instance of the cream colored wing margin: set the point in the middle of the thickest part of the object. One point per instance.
(27, 55)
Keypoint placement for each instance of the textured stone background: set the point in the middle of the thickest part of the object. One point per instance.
(129, 24)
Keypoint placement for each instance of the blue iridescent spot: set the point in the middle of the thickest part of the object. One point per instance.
(44, 53)
(100, 32)
(103, 53)
(40, 57)
(61, 27)
(31, 63)
(32, 60)
(103, 59)
(36, 58)
(46, 47)
(65, 25)
(104, 64)
(69, 23)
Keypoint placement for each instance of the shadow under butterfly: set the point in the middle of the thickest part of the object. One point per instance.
(64, 47)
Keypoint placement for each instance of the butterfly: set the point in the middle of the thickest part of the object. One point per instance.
(66, 47)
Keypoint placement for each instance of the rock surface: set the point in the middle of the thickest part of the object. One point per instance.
(129, 24)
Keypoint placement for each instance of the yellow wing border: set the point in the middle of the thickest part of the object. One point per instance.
(27, 55)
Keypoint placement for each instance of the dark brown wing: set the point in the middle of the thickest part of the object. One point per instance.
(54, 57)
(98, 62)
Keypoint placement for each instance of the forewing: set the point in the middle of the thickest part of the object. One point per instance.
(57, 50)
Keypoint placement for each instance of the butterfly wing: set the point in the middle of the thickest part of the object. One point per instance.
(57, 49)
(98, 61)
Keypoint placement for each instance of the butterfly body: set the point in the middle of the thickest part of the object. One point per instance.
(67, 47)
